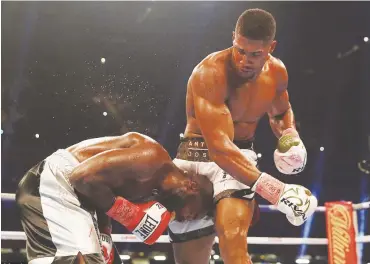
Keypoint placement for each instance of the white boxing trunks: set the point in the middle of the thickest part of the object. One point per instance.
(57, 226)
(193, 156)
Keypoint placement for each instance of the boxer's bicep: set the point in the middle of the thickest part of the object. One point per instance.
(113, 167)
(279, 105)
(211, 112)
(104, 222)
(280, 113)
(214, 120)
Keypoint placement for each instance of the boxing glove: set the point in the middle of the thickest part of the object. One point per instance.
(295, 201)
(146, 221)
(298, 203)
(290, 157)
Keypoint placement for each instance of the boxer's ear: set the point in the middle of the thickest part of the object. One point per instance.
(192, 186)
(171, 182)
(191, 183)
(272, 46)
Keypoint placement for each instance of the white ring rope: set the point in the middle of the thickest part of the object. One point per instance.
(267, 208)
(7, 196)
(127, 238)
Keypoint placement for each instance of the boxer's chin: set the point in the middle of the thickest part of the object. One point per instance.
(246, 74)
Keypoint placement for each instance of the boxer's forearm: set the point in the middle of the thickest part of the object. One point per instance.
(231, 159)
(104, 222)
(97, 176)
(281, 122)
(98, 193)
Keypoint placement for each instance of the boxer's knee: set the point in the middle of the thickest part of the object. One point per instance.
(233, 218)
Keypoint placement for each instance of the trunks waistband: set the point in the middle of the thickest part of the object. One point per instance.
(195, 149)
(184, 237)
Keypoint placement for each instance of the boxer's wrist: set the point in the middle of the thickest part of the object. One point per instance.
(269, 188)
(104, 222)
(106, 230)
(290, 131)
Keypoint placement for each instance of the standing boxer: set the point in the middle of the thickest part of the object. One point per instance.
(227, 94)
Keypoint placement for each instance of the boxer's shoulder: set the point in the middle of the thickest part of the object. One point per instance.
(90, 147)
(137, 138)
(277, 70)
(213, 64)
(209, 76)
(149, 147)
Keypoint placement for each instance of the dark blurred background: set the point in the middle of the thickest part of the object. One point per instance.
(56, 90)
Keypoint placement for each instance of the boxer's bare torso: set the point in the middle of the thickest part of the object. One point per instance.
(139, 169)
(247, 99)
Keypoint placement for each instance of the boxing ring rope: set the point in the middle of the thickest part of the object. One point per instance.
(264, 208)
(128, 238)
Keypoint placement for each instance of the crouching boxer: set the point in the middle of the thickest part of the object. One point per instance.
(66, 201)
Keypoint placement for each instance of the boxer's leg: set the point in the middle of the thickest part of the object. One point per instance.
(197, 251)
(233, 218)
(234, 215)
(56, 225)
(192, 241)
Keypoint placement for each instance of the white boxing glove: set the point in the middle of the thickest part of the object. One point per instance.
(290, 157)
(298, 203)
(295, 201)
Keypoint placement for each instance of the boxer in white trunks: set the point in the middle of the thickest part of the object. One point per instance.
(129, 178)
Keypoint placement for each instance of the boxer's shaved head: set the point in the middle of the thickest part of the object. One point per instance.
(256, 24)
(253, 41)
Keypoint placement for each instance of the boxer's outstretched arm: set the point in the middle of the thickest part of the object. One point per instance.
(216, 124)
(281, 114)
(97, 176)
